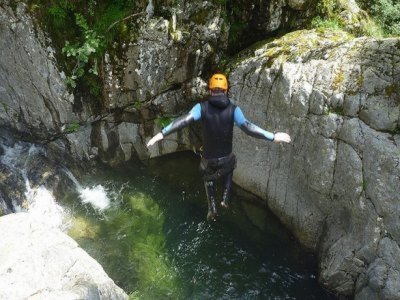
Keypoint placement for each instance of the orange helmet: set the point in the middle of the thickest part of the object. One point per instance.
(218, 81)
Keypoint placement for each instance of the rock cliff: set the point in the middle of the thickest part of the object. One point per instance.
(337, 185)
(34, 100)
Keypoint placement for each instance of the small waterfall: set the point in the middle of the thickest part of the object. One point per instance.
(95, 196)
(39, 202)
(150, 10)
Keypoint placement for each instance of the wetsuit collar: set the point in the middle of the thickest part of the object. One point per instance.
(219, 100)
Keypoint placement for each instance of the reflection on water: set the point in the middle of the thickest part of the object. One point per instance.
(154, 241)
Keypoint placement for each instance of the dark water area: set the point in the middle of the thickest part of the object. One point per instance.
(154, 240)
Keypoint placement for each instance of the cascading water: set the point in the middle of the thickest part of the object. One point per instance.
(39, 201)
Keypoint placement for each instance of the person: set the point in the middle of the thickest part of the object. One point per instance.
(218, 115)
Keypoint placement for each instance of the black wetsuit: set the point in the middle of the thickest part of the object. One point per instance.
(218, 115)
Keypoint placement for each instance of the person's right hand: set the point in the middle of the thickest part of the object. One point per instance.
(158, 137)
(282, 137)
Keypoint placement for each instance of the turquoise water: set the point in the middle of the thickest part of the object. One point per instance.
(154, 241)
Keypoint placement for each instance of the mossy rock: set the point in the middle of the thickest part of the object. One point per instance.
(295, 46)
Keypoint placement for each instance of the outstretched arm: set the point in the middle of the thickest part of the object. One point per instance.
(177, 124)
(257, 132)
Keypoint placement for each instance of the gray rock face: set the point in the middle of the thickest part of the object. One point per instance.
(40, 262)
(33, 97)
(167, 54)
(337, 185)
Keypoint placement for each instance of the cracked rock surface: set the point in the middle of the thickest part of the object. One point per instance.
(33, 97)
(337, 185)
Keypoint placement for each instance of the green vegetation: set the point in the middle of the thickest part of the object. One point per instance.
(395, 130)
(338, 80)
(81, 52)
(74, 127)
(163, 121)
(326, 15)
(386, 13)
(319, 22)
(82, 31)
(297, 44)
(364, 185)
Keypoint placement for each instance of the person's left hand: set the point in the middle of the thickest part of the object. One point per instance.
(158, 137)
(282, 137)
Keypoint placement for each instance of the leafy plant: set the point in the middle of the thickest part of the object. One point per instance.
(386, 13)
(319, 22)
(74, 127)
(82, 52)
(163, 121)
(90, 28)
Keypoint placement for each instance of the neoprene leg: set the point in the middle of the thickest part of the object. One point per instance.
(227, 189)
(210, 191)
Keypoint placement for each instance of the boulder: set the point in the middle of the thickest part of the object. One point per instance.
(41, 262)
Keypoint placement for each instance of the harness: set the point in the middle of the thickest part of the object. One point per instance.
(215, 168)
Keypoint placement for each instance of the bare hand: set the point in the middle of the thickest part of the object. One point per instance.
(282, 137)
(158, 137)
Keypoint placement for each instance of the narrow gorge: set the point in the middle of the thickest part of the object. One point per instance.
(335, 90)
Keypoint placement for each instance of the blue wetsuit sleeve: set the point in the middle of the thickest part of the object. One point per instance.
(193, 115)
(249, 128)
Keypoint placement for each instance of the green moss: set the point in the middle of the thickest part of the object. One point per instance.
(297, 44)
(338, 80)
(390, 90)
(200, 17)
(5, 107)
(291, 47)
(364, 185)
(360, 80)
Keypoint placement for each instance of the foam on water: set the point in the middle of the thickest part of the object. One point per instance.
(96, 196)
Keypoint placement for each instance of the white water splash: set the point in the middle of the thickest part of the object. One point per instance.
(95, 196)
(42, 206)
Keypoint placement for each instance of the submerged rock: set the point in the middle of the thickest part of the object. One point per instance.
(40, 262)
